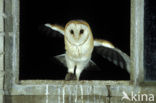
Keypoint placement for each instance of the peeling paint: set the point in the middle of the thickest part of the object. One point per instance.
(63, 95)
(75, 94)
(81, 88)
(47, 93)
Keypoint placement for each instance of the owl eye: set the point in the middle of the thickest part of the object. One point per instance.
(81, 31)
(71, 31)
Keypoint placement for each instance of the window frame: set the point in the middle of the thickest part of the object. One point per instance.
(137, 44)
(12, 61)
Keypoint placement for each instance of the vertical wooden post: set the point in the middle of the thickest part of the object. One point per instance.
(1, 50)
(137, 37)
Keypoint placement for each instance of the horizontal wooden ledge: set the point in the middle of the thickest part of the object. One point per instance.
(82, 82)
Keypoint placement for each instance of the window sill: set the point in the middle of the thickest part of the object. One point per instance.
(82, 82)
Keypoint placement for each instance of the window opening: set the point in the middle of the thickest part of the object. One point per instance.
(109, 20)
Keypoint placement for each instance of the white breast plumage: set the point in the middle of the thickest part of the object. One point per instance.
(79, 51)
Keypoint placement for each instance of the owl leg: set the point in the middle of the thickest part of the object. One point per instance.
(79, 68)
(71, 66)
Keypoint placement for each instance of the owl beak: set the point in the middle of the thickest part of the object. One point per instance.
(77, 37)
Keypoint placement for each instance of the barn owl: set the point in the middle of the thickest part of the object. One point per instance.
(79, 45)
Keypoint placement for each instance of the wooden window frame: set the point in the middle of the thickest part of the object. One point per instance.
(15, 86)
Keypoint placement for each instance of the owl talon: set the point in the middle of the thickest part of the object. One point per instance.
(70, 76)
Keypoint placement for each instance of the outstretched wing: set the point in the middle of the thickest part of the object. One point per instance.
(115, 55)
(56, 28)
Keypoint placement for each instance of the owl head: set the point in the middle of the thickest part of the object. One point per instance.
(77, 32)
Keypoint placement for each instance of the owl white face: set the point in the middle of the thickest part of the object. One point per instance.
(77, 33)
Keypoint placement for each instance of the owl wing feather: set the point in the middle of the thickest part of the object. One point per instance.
(61, 58)
(56, 27)
(107, 50)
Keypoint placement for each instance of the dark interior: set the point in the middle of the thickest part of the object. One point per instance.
(150, 40)
(108, 19)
